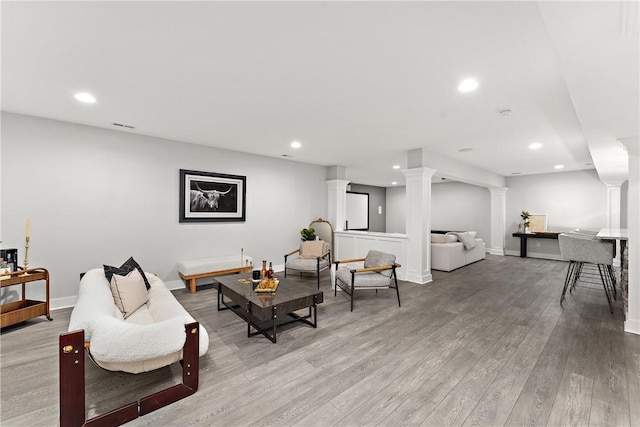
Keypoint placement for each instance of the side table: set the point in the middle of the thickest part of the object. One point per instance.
(24, 309)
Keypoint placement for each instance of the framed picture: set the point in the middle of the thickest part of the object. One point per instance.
(537, 222)
(212, 197)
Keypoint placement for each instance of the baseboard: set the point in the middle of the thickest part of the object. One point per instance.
(538, 255)
(65, 302)
(499, 252)
(632, 326)
(427, 278)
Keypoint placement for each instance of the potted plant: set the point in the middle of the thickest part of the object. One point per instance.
(525, 220)
(307, 234)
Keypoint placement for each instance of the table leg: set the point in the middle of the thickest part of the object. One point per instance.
(523, 247)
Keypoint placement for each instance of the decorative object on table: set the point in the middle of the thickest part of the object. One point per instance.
(537, 223)
(263, 271)
(212, 197)
(26, 246)
(255, 274)
(267, 285)
(270, 271)
(525, 221)
(5, 268)
(307, 234)
(11, 257)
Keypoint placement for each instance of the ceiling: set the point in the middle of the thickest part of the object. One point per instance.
(357, 83)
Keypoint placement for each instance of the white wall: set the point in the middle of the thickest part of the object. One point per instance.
(454, 206)
(570, 200)
(98, 196)
(459, 206)
(396, 209)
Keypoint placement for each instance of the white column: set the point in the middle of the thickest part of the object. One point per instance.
(632, 318)
(337, 203)
(498, 219)
(418, 213)
(614, 199)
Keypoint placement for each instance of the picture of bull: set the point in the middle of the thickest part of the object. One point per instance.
(206, 200)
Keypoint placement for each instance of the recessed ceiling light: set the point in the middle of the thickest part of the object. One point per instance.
(296, 144)
(85, 97)
(468, 85)
(558, 167)
(396, 166)
(394, 183)
(465, 150)
(535, 146)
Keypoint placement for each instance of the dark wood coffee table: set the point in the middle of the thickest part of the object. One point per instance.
(264, 311)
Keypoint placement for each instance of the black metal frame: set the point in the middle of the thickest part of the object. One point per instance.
(252, 321)
(577, 272)
(351, 293)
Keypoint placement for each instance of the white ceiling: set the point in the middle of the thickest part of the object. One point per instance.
(358, 83)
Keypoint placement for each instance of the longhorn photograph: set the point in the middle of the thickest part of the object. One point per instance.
(210, 196)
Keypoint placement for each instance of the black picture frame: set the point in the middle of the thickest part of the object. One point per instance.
(212, 197)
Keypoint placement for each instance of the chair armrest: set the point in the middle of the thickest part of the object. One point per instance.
(379, 268)
(293, 252)
(344, 261)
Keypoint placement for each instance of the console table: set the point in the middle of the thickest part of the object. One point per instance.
(24, 309)
(536, 235)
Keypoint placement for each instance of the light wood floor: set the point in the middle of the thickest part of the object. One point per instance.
(486, 345)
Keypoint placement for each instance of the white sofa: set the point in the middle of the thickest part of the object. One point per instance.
(150, 338)
(449, 253)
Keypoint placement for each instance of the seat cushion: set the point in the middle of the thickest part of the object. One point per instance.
(363, 280)
(206, 265)
(306, 264)
(378, 259)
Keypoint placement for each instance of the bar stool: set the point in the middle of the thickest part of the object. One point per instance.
(585, 254)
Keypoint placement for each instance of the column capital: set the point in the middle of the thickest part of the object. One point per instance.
(337, 182)
(419, 172)
(498, 190)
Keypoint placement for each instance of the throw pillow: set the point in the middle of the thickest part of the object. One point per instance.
(129, 292)
(311, 249)
(125, 269)
(450, 238)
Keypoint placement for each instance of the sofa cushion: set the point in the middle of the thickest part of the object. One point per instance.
(437, 238)
(379, 259)
(311, 249)
(129, 292)
(125, 269)
(450, 237)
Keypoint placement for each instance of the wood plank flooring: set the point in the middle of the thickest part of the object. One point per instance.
(485, 345)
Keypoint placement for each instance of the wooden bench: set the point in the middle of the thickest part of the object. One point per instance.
(194, 269)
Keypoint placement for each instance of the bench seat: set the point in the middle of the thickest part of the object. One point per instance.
(194, 269)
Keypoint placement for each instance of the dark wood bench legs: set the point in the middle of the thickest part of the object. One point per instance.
(72, 385)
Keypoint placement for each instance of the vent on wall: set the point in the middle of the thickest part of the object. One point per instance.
(123, 126)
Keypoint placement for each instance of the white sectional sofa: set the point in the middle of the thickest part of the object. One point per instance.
(449, 253)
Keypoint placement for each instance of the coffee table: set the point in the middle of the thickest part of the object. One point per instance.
(264, 311)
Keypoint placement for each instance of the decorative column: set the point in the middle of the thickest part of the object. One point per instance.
(498, 219)
(418, 213)
(337, 203)
(632, 273)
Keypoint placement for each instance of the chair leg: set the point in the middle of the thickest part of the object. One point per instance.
(567, 279)
(604, 285)
(318, 274)
(397, 288)
(353, 279)
(612, 274)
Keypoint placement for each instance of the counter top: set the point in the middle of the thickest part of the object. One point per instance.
(613, 233)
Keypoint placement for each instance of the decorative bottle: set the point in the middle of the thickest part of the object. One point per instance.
(263, 271)
(270, 271)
